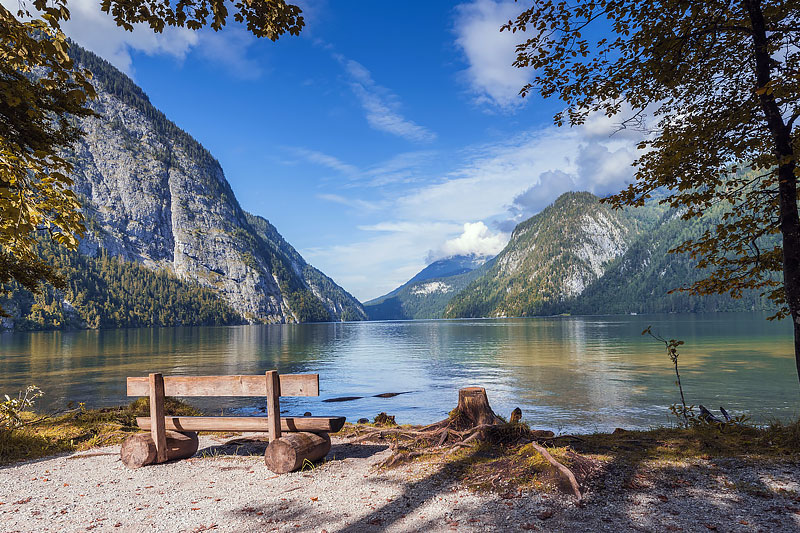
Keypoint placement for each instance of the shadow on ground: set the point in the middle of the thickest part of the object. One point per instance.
(633, 494)
(249, 446)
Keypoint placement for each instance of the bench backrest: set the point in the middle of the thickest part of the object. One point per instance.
(290, 385)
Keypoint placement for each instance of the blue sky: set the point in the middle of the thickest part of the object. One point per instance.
(385, 136)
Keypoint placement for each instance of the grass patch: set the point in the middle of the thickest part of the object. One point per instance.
(498, 465)
(777, 440)
(495, 468)
(78, 430)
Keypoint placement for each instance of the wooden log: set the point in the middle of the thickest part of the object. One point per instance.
(273, 405)
(313, 424)
(140, 449)
(157, 415)
(289, 452)
(291, 385)
(473, 408)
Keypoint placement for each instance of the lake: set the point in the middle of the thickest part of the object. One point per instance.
(568, 374)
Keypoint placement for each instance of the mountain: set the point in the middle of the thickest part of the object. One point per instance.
(450, 266)
(551, 258)
(338, 303)
(579, 256)
(155, 197)
(641, 279)
(427, 294)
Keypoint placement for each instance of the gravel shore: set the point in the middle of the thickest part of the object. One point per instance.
(223, 488)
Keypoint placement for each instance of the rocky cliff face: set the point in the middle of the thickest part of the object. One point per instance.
(551, 257)
(580, 256)
(155, 196)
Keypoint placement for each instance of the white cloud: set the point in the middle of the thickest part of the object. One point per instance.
(486, 183)
(326, 160)
(476, 239)
(604, 167)
(381, 106)
(490, 53)
(356, 203)
(494, 187)
(402, 168)
(230, 49)
(96, 31)
(551, 185)
(389, 256)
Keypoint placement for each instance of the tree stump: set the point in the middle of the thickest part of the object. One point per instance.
(473, 409)
(290, 451)
(140, 449)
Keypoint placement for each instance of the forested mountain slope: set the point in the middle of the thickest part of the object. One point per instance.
(427, 294)
(640, 280)
(579, 256)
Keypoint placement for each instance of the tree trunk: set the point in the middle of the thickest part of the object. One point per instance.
(473, 409)
(140, 449)
(289, 452)
(787, 181)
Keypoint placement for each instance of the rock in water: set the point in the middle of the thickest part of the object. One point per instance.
(385, 420)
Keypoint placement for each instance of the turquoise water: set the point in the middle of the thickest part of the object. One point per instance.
(566, 373)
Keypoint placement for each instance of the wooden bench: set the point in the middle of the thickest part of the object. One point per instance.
(175, 437)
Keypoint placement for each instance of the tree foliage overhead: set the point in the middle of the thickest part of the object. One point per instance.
(715, 87)
(42, 96)
(264, 18)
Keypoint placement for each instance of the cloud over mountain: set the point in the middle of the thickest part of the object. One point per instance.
(476, 239)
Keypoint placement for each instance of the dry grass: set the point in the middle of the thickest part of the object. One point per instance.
(78, 430)
(504, 463)
(777, 440)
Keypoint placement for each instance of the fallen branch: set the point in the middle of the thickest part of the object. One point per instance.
(566, 472)
(92, 454)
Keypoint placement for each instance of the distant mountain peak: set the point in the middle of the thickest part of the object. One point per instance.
(426, 294)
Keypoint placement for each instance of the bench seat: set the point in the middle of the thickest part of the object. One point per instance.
(312, 424)
(175, 437)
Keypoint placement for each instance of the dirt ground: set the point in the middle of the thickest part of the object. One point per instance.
(226, 487)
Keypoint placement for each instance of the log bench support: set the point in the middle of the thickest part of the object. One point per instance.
(157, 432)
(140, 449)
(289, 452)
(175, 437)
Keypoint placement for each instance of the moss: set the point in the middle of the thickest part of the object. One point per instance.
(775, 441)
(498, 465)
(79, 430)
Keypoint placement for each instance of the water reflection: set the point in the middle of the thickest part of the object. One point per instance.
(568, 373)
